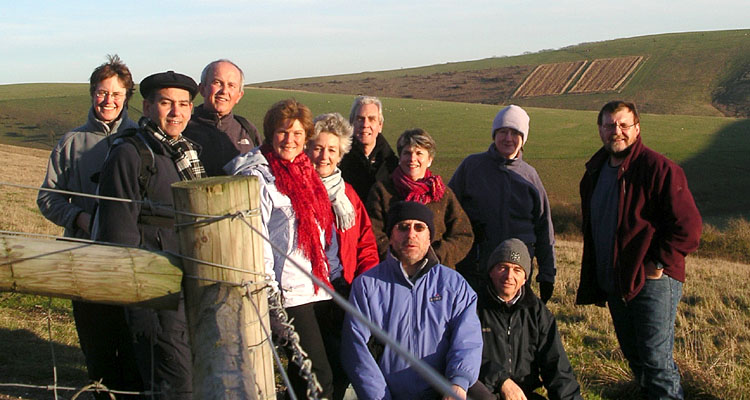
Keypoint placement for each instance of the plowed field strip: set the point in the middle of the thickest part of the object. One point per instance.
(549, 79)
(606, 74)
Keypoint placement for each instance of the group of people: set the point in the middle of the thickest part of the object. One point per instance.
(444, 269)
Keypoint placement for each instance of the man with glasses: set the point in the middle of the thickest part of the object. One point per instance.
(639, 223)
(221, 133)
(427, 307)
(75, 160)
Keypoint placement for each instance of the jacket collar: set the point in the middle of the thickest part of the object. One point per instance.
(499, 159)
(432, 261)
(200, 114)
(526, 300)
(99, 126)
(602, 156)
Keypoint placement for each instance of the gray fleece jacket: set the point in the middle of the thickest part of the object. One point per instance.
(74, 160)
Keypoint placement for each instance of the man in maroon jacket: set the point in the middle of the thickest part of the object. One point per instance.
(639, 223)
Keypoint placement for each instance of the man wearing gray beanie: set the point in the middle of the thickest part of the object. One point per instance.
(504, 197)
(521, 340)
(411, 289)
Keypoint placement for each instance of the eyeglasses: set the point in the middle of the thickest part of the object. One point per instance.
(100, 94)
(623, 127)
(405, 226)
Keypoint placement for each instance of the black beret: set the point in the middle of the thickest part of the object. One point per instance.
(169, 79)
(403, 210)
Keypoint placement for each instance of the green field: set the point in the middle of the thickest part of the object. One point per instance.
(693, 73)
(712, 150)
(712, 338)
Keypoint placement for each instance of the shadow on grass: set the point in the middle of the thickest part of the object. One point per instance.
(719, 177)
(27, 358)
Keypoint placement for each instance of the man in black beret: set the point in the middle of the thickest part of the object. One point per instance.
(142, 165)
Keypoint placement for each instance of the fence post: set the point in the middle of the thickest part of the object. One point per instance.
(231, 354)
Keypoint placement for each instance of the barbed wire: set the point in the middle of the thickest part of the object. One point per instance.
(153, 205)
(92, 387)
(427, 372)
(51, 347)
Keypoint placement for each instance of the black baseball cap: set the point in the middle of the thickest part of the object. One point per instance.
(169, 79)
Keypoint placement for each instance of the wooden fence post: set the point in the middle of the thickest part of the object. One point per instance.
(231, 354)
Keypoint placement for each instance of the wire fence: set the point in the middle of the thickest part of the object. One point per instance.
(287, 336)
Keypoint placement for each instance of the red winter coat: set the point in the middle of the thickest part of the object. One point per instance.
(358, 251)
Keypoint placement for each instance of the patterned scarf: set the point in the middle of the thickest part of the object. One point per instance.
(426, 190)
(342, 206)
(183, 152)
(300, 182)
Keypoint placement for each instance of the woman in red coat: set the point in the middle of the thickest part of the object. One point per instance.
(358, 251)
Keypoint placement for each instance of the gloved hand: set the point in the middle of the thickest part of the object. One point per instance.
(545, 290)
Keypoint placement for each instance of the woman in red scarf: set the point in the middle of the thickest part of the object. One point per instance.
(297, 217)
(413, 181)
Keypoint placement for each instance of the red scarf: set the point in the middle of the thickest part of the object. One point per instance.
(300, 182)
(426, 190)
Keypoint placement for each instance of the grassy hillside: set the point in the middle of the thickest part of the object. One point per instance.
(696, 73)
(711, 336)
(711, 149)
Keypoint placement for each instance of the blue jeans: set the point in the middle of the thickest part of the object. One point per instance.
(645, 330)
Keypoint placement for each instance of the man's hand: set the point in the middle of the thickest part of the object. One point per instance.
(83, 220)
(545, 290)
(652, 272)
(511, 391)
(459, 391)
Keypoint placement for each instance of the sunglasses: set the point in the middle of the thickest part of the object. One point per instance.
(405, 226)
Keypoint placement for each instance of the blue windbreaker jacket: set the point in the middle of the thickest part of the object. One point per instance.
(435, 318)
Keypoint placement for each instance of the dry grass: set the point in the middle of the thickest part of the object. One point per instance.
(712, 332)
(24, 166)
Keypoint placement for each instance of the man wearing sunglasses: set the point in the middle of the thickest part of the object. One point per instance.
(427, 307)
(639, 223)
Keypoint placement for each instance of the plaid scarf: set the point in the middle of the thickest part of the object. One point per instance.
(299, 181)
(426, 190)
(182, 151)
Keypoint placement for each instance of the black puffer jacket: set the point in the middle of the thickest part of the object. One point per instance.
(362, 171)
(522, 342)
(221, 138)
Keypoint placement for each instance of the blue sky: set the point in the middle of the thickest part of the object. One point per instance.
(63, 41)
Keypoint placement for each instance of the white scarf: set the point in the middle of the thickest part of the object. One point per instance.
(342, 207)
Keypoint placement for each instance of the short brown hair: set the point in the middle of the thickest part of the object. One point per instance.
(615, 106)
(113, 66)
(289, 109)
(417, 137)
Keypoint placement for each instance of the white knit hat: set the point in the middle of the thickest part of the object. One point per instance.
(514, 117)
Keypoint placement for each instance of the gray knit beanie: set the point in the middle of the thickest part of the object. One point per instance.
(514, 117)
(513, 251)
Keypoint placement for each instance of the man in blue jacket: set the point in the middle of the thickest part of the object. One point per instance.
(427, 307)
